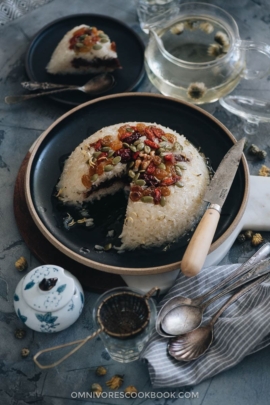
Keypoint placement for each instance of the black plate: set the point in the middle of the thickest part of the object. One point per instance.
(130, 49)
(200, 128)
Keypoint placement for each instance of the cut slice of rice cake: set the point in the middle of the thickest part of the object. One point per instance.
(84, 50)
(166, 174)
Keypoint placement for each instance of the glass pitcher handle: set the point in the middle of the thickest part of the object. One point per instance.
(260, 47)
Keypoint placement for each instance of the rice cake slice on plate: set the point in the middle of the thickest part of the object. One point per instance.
(84, 50)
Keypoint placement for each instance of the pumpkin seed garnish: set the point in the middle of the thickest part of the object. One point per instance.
(131, 174)
(162, 166)
(147, 199)
(162, 144)
(140, 146)
(129, 129)
(179, 184)
(162, 201)
(108, 246)
(104, 40)
(140, 182)
(96, 154)
(164, 138)
(133, 148)
(147, 149)
(116, 160)
(178, 171)
(108, 168)
(94, 177)
(79, 45)
(97, 47)
(105, 149)
(136, 177)
(110, 153)
(126, 144)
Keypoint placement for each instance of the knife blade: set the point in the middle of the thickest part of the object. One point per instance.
(215, 195)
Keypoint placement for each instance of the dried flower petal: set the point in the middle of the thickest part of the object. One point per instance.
(115, 382)
(101, 370)
(131, 391)
(264, 171)
(257, 239)
(21, 264)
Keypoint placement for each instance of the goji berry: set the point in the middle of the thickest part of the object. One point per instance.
(152, 144)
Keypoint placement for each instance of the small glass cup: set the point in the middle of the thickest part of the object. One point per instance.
(125, 350)
(154, 12)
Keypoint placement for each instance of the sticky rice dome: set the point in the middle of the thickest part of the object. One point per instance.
(84, 50)
(149, 221)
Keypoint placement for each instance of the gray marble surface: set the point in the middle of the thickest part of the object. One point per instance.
(21, 382)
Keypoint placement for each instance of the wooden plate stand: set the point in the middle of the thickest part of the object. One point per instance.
(91, 279)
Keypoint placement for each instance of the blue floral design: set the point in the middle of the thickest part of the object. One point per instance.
(29, 285)
(71, 306)
(61, 288)
(16, 297)
(47, 322)
(22, 317)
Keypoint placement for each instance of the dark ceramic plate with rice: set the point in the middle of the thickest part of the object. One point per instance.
(130, 50)
(81, 243)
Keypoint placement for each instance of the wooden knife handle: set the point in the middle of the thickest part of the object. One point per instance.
(199, 245)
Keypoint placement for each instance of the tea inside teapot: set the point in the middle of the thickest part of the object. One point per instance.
(198, 57)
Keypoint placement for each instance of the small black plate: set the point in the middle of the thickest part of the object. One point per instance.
(130, 49)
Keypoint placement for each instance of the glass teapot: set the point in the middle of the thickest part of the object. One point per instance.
(199, 57)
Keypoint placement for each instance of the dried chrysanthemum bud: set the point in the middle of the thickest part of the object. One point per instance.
(177, 29)
(257, 239)
(115, 382)
(20, 333)
(196, 90)
(101, 370)
(214, 50)
(21, 264)
(264, 171)
(131, 391)
(241, 238)
(207, 27)
(261, 155)
(25, 352)
(96, 389)
(249, 234)
(222, 39)
(253, 149)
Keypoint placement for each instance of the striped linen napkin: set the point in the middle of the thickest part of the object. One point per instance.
(242, 329)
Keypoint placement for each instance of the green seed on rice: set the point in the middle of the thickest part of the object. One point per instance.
(94, 178)
(147, 199)
(140, 182)
(179, 184)
(162, 201)
(96, 154)
(116, 160)
(136, 177)
(178, 171)
(147, 149)
(105, 149)
(140, 146)
(133, 148)
(108, 168)
(104, 40)
(110, 153)
(162, 144)
(97, 47)
(162, 166)
(131, 174)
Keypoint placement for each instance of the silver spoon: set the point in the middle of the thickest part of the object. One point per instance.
(96, 85)
(185, 318)
(174, 302)
(194, 344)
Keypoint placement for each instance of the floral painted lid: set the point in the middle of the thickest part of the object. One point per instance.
(48, 288)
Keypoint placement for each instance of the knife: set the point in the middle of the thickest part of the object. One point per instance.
(215, 195)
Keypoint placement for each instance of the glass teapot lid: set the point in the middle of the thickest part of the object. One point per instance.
(251, 109)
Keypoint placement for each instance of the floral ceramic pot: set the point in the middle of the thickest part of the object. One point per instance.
(48, 299)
